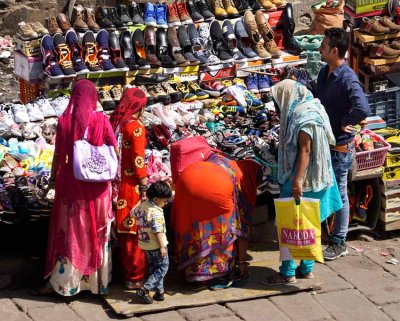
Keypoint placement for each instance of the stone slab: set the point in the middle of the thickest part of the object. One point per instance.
(60, 312)
(206, 312)
(393, 310)
(25, 301)
(180, 294)
(376, 284)
(350, 305)
(10, 312)
(232, 318)
(91, 309)
(163, 316)
(329, 280)
(257, 310)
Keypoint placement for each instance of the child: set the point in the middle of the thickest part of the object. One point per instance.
(150, 220)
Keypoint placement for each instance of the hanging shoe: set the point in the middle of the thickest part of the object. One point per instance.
(186, 46)
(103, 51)
(90, 52)
(220, 43)
(194, 11)
(289, 41)
(71, 38)
(63, 22)
(174, 47)
(229, 34)
(254, 35)
(51, 67)
(173, 17)
(123, 14)
(78, 19)
(162, 49)
(90, 19)
(244, 42)
(184, 15)
(204, 9)
(63, 55)
(196, 43)
(115, 51)
(150, 42)
(139, 51)
(136, 14)
(267, 34)
(161, 15)
(104, 20)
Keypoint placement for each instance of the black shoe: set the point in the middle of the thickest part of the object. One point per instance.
(127, 50)
(220, 44)
(242, 5)
(187, 46)
(204, 10)
(144, 294)
(115, 51)
(103, 19)
(289, 41)
(136, 14)
(138, 41)
(162, 49)
(119, 24)
(194, 11)
(255, 5)
(123, 14)
(152, 79)
(335, 250)
(159, 296)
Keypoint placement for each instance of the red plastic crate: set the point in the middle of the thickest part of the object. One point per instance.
(373, 158)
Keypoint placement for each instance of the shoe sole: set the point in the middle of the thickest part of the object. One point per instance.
(337, 256)
(212, 93)
(174, 24)
(187, 22)
(152, 24)
(256, 91)
(263, 90)
(227, 61)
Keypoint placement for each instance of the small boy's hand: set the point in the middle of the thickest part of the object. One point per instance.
(163, 251)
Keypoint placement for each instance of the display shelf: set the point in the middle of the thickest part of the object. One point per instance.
(380, 62)
(367, 174)
(369, 38)
(355, 18)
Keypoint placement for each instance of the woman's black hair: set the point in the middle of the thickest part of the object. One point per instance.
(159, 189)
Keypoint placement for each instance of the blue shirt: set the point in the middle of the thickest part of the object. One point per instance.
(343, 98)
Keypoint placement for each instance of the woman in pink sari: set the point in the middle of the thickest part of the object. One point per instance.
(78, 252)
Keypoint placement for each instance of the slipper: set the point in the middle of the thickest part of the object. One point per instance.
(300, 275)
(279, 279)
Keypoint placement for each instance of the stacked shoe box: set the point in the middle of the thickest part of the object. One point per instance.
(390, 211)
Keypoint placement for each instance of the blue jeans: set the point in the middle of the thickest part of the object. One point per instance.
(341, 163)
(288, 268)
(158, 268)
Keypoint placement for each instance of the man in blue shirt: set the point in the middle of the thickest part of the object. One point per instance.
(341, 93)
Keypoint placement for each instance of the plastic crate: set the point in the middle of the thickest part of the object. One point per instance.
(385, 104)
(373, 158)
(28, 91)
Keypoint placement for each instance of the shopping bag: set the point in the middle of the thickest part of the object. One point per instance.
(299, 229)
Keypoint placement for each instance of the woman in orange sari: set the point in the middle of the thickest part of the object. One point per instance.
(131, 182)
(211, 217)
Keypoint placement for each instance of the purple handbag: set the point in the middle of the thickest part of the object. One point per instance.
(94, 163)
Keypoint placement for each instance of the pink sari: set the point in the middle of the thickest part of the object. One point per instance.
(81, 210)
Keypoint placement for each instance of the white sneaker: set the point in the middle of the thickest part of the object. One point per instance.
(45, 107)
(34, 112)
(237, 93)
(60, 104)
(20, 113)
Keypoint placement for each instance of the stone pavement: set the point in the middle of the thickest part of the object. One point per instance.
(361, 286)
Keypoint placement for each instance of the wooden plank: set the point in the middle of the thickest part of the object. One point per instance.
(380, 62)
(363, 37)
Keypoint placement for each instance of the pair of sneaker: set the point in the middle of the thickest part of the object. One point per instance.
(145, 296)
(155, 15)
(59, 104)
(258, 83)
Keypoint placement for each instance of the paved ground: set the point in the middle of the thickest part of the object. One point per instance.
(361, 286)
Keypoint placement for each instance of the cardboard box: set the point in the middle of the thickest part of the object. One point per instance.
(391, 200)
(390, 186)
(28, 68)
(390, 215)
(362, 6)
(30, 48)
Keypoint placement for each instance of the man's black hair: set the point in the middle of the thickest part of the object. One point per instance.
(338, 38)
(160, 190)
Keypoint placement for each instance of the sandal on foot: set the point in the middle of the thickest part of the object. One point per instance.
(300, 275)
(279, 279)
